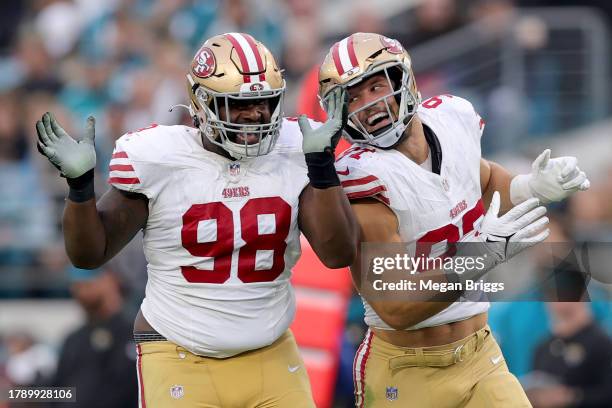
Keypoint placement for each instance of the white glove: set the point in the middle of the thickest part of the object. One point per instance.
(73, 158)
(520, 228)
(326, 136)
(500, 238)
(550, 180)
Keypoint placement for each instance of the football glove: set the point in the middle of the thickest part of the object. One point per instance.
(521, 227)
(550, 180)
(501, 238)
(326, 137)
(71, 157)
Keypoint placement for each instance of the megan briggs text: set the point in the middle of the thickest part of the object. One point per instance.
(425, 284)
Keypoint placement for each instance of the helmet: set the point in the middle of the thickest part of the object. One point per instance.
(355, 59)
(229, 68)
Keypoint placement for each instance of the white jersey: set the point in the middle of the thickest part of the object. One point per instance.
(430, 208)
(221, 236)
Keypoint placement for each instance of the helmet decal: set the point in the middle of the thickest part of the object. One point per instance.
(204, 63)
(393, 46)
(257, 86)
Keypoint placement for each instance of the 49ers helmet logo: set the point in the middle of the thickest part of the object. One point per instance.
(204, 63)
(393, 46)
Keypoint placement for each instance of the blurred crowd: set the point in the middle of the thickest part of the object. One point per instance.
(124, 61)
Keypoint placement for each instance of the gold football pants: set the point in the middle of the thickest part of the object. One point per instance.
(469, 373)
(272, 376)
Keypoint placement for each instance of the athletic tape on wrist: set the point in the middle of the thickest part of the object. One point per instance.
(321, 169)
(82, 187)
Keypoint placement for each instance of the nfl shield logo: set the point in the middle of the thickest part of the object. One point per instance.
(234, 169)
(391, 393)
(176, 391)
(445, 184)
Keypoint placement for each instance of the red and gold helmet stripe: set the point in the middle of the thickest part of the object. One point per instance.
(250, 59)
(343, 53)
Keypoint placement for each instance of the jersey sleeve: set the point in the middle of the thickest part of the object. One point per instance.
(357, 182)
(129, 169)
(472, 121)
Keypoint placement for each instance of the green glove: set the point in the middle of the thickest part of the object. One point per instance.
(71, 157)
(326, 137)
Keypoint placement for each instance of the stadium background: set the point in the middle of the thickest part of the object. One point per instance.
(537, 71)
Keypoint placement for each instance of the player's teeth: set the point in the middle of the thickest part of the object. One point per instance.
(376, 116)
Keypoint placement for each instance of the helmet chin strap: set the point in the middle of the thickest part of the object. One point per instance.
(235, 155)
(390, 138)
(401, 137)
(240, 151)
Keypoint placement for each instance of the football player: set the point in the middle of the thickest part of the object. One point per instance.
(415, 175)
(221, 207)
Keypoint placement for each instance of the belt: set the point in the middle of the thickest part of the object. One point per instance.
(142, 337)
(441, 356)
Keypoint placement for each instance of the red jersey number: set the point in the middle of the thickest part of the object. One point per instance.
(435, 101)
(223, 246)
(355, 152)
(450, 232)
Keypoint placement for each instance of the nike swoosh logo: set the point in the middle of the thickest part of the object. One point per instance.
(293, 369)
(344, 172)
(497, 359)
